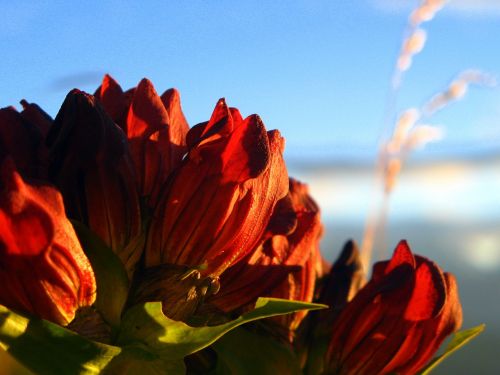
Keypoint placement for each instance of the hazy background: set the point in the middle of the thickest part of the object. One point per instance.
(319, 70)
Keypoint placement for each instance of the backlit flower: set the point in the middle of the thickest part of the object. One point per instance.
(155, 128)
(22, 139)
(217, 204)
(91, 166)
(284, 265)
(298, 286)
(44, 271)
(397, 322)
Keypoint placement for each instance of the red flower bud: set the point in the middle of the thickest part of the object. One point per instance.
(155, 128)
(344, 279)
(304, 252)
(113, 100)
(299, 286)
(91, 166)
(43, 268)
(22, 140)
(217, 204)
(398, 320)
(284, 265)
(37, 116)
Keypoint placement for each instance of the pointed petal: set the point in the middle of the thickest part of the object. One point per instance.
(429, 293)
(112, 98)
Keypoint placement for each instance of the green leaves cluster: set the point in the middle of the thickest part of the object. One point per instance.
(147, 340)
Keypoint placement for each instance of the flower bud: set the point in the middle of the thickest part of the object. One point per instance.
(304, 252)
(398, 320)
(217, 204)
(37, 116)
(298, 286)
(44, 270)
(22, 140)
(91, 166)
(114, 101)
(284, 265)
(339, 286)
(345, 279)
(155, 128)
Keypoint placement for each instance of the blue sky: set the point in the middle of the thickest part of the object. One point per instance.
(319, 70)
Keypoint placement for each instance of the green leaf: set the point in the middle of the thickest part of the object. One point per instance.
(135, 360)
(316, 351)
(151, 343)
(47, 348)
(246, 353)
(12, 366)
(111, 277)
(459, 340)
(146, 324)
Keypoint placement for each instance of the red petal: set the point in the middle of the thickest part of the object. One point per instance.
(284, 218)
(436, 330)
(26, 227)
(429, 293)
(21, 140)
(265, 191)
(217, 122)
(112, 98)
(37, 116)
(402, 255)
(246, 154)
(147, 113)
(219, 126)
(44, 271)
(178, 125)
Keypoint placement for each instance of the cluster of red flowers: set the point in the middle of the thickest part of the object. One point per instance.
(204, 219)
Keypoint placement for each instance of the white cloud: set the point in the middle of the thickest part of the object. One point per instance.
(462, 7)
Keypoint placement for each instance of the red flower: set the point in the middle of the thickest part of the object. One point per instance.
(217, 204)
(298, 286)
(21, 138)
(343, 281)
(304, 252)
(284, 265)
(43, 268)
(91, 166)
(155, 128)
(398, 320)
(33, 113)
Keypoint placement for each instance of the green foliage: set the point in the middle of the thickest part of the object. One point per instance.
(146, 324)
(246, 353)
(316, 352)
(459, 340)
(148, 342)
(47, 348)
(10, 366)
(137, 360)
(111, 277)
